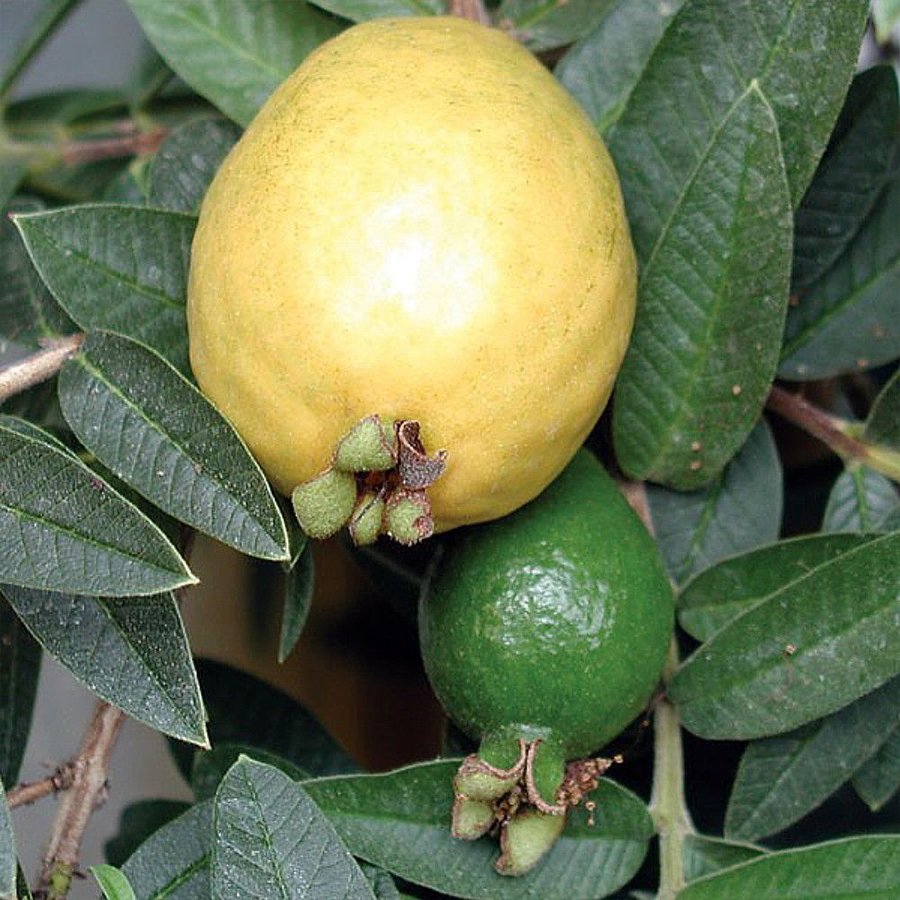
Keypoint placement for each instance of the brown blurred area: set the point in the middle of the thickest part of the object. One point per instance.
(356, 666)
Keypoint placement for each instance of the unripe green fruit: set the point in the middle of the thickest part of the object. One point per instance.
(546, 633)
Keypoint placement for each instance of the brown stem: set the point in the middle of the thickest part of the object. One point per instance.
(87, 792)
(473, 10)
(74, 153)
(815, 421)
(38, 367)
(27, 793)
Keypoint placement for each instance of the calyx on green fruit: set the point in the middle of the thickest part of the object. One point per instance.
(543, 635)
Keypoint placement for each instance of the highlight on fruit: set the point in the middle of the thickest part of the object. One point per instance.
(544, 635)
(419, 242)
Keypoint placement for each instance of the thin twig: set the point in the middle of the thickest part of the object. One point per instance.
(86, 794)
(30, 792)
(815, 421)
(38, 367)
(74, 153)
(470, 9)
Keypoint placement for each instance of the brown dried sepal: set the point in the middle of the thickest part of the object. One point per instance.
(416, 468)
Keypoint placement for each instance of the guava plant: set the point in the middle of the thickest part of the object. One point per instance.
(754, 429)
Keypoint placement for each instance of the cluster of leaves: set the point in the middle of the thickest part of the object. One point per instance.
(752, 177)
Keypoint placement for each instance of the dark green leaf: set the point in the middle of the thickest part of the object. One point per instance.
(602, 69)
(243, 710)
(129, 186)
(137, 823)
(8, 864)
(879, 779)
(740, 510)
(211, 767)
(544, 24)
(722, 593)
(43, 114)
(185, 164)
(153, 429)
(861, 500)
(851, 868)
(704, 855)
(149, 76)
(27, 309)
(781, 779)
(114, 884)
(850, 318)
(690, 391)
(173, 864)
(22, 886)
(382, 884)
(363, 10)
(20, 665)
(883, 424)
(234, 54)
(13, 166)
(46, 15)
(804, 652)
(802, 55)
(132, 652)
(65, 529)
(120, 268)
(298, 591)
(271, 841)
(852, 174)
(401, 822)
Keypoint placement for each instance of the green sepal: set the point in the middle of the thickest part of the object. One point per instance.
(365, 523)
(471, 818)
(545, 771)
(369, 446)
(324, 504)
(407, 517)
(525, 839)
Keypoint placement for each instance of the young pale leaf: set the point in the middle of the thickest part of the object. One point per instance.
(132, 652)
(740, 510)
(184, 166)
(243, 710)
(8, 864)
(363, 10)
(689, 392)
(234, 54)
(153, 429)
(272, 842)
(722, 593)
(137, 823)
(802, 653)
(883, 424)
(401, 822)
(28, 311)
(886, 16)
(173, 864)
(20, 664)
(113, 883)
(850, 318)
(545, 24)
(781, 779)
(602, 69)
(861, 500)
(121, 268)
(879, 778)
(298, 590)
(704, 855)
(850, 868)
(65, 529)
(852, 174)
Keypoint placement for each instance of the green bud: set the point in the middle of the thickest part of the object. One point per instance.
(471, 818)
(369, 446)
(324, 504)
(525, 839)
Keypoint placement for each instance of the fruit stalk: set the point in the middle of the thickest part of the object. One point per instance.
(38, 367)
(667, 802)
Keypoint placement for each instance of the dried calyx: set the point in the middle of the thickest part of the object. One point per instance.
(376, 484)
(523, 791)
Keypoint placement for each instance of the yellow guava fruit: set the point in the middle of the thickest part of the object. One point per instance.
(420, 223)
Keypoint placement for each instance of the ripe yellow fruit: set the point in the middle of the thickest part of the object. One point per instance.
(420, 223)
